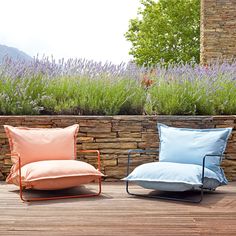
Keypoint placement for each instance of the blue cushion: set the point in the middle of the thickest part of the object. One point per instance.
(167, 176)
(189, 146)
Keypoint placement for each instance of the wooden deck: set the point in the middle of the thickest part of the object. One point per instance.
(116, 213)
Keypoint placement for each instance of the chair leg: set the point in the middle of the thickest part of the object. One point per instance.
(62, 197)
(165, 198)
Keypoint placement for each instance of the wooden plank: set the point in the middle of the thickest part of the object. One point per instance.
(116, 213)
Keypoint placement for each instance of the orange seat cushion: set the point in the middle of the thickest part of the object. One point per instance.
(55, 174)
(38, 144)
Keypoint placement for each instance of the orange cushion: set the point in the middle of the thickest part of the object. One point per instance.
(37, 144)
(55, 174)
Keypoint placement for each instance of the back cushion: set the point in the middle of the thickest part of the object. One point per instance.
(189, 146)
(37, 144)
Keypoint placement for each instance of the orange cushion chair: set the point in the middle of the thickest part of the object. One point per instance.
(45, 159)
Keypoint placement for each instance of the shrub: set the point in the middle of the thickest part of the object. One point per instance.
(90, 88)
(193, 90)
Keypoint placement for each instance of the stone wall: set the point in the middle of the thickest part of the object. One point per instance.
(218, 30)
(114, 135)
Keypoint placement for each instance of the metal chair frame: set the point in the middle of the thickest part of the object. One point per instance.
(162, 197)
(60, 197)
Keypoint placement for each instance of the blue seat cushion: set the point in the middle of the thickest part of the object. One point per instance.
(167, 176)
(189, 146)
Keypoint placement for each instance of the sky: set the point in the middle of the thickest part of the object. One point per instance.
(91, 29)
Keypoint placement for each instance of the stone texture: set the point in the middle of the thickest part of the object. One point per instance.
(114, 136)
(218, 30)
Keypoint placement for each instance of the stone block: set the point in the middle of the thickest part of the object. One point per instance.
(94, 123)
(129, 134)
(95, 129)
(85, 139)
(148, 145)
(109, 162)
(125, 128)
(118, 145)
(90, 146)
(102, 135)
(114, 140)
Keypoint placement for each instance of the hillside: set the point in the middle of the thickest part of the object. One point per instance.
(14, 53)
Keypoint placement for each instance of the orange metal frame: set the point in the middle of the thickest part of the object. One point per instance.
(61, 197)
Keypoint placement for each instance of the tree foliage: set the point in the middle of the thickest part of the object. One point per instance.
(166, 30)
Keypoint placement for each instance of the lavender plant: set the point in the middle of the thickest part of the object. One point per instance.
(69, 87)
(79, 86)
(191, 89)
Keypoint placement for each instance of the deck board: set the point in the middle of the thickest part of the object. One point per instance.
(116, 213)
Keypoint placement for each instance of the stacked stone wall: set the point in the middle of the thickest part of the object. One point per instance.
(115, 135)
(218, 30)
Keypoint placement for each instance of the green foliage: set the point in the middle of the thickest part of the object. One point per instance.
(195, 97)
(166, 30)
(172, 97)
(101, 96)
(21, 95)
(179, 89)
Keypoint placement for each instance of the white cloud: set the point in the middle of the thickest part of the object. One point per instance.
(93, 29)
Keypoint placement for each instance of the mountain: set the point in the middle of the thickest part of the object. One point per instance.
(14, 53)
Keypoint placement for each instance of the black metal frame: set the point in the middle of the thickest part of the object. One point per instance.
(162, 197)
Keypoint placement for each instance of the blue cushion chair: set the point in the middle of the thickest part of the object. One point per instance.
(189, 159)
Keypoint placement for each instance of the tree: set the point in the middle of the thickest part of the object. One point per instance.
(166, 30)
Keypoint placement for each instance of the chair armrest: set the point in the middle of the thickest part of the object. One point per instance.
(220, 156)
(98, 156)
(138, 151)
